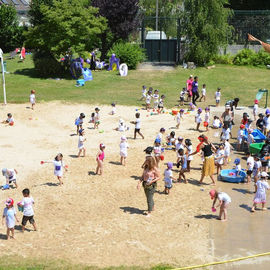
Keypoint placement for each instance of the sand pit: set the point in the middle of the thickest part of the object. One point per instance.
(97, 220)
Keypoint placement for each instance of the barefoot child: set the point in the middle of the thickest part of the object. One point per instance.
(137, 124)
(148, 98)
(144, 91)
(58, 167)
(9, 215)
(11, 176)
(157, 151)
(188, 145)
(123, 150)
(81, 143)
(216, 122)
(203, 93)
(113, 111)
(237, 167)
(28, 211)
(240, 137)
(161, 104)
(183, 162)
(182, 96)
(207, 118)
(168, 178)
(32, 99)
(9, 121)
(220, 155)
(224, 201)
(96, 118)
(178, 117)
(255, 109)
(156, 99)
(79, 122)
(250, 166)
(217, 97)
(198, 119)
(100, 158)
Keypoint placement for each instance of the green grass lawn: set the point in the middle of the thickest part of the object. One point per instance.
(242, 82)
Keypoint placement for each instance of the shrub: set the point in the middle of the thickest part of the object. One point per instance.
(131, 54)
(244, 57)
(223, 59)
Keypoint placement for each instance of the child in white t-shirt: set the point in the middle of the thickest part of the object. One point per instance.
(11, 176)
(219, 158)
(198, 118)
(148, 98)
(250, 166)
(182, 96)
(207, 118)
(137, 124)
(32, 99)
(9, 214)
(227, 151)
(203, 93)
(226, 132)
(255, 109)
(113, 111)
(250, 137)
(123, 150)
(237, 167)
(161, 104)
(240, 136)
(168, 178)
(217, 97)
(9, 121)
(216, 122)
(96, 118)
(79, 122)
(178, 117)
(28, 211)
(122, 126)
(81, 143)
(144, 92)
(156, 99)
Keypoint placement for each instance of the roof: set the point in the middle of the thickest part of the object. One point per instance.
(20, 5)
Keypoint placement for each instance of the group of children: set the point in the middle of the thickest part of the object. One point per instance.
(151, 94)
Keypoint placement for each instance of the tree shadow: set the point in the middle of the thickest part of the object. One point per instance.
(115, 163)
(209, 216)
(29, 72)
(245, 206)
(132, 210)
(91, 173)
(135, 177)
(243, 191)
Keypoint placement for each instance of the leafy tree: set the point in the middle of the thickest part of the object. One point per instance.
(10, 32)
(35, 13)
(66, 24)
(206, 28)
(249, 4)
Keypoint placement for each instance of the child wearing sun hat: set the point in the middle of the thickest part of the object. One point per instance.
(123, 150)
(255, 109)
(240, 136)
(168, 178)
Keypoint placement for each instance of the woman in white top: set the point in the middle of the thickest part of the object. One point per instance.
(58, 167)
(224, 201)
(123, 150)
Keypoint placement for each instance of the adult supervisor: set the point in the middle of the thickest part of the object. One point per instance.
(195, 90)
(150, 176)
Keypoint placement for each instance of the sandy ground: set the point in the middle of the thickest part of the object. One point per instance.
(98, 220)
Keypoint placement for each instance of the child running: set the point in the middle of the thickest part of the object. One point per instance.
(198, 119)
(79, 122)
(9, 214)
(81, 143)
(224, 201)
(137, 124)
(203, 93)
(28, 211)
(260, 196)
(123, 150)
(32, 99)
(100, 158)
(168, 178)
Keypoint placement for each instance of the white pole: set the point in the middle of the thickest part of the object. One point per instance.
(3, 76)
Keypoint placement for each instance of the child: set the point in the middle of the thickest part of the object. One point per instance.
(99, 158)
(257, 168)
(113, 111)
(122, 126)
(11, 176)
(250, 138)
(157, 151)
(144, 91)
(250, 166)
(237, 166)
(255, 109)
(92, 118)
(32, 99)
(227, 151)
(148, 151)
(168, 177)
(220, 155)
(225, 134)
(216, 122)
(245, 120)
(192, 107)
(137, 124)
(217, 96)
(260, 123)
(10, 215)
(171, 139)
(224, 201)
(188, 145)
(58, 167)
(123, 150)
(96, 118)
(160, 134)
(148, 98)
(260, 196)
(178, 117)
(156, 99)
(161, 104)
(198, 118)
(182, 96)
(9, 121)
(203, 93)
(178, 146)
(79, 122)
(28, 211)
(183, 162)
(207, 118)
(80, 143)
(240, 137)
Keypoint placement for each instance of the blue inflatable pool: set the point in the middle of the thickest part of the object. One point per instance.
(230, 176)
(257, 134)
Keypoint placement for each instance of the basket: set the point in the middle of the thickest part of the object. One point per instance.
(255, 148)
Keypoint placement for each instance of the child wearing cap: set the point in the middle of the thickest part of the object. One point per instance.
(81, 143)
(79, 122)
(198, 118)
(9, 214)
(240, 137)
(192, 107)
(178, 117)
(137, 124)
(217, 97)
(237, 166)
(260, 196)
(123, 150)
(207, 118)
(168, 178)
(255, 109)
(267, 122)
(100, 158)
(113, 111)
(96, 118)
(250, 165)
(11, 176)
(32, 99)
(182, 157)
(224, 201)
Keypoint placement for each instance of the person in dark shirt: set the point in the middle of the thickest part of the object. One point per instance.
(260, 124)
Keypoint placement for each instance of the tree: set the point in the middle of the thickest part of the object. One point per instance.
(249, 4)
(10, 32)
(66, 24)
(35, 13)
(206, 28)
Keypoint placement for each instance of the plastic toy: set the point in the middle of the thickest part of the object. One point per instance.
(232, 176)
(161, 157)
(174, 111)
(11, 123)
(41, 162)
(6, 186)
(205, 124)
(20, 207)
(255, 148)
(101, 131)
(123, 70)
(114, 63)
(257, 134)
(214, 209)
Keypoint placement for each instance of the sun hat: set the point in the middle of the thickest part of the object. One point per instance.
(207, 109)
(227, 107)
(182, 110)
(264, 174)
(102, 145)
(200, 110)
(82, 115)
(97, 109)
(267, 111)
(190, 76)
(180, 138)
(123, 138)
(169, 165)
(212, 193)
(9, 202)
(242, 126)
(157, 141)
(4, 171)
(256, 101)
(237, 161)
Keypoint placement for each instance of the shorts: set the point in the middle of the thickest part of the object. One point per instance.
(168, 187)
(137, 130)
(97, 122)
(249, 172)
(227, 153)
(123, 154)
(181, 98)
(81, 147)
(217, 100)
(239, 140)
(12, 180)
(160, 106)
(27, 218)
(264, 163)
